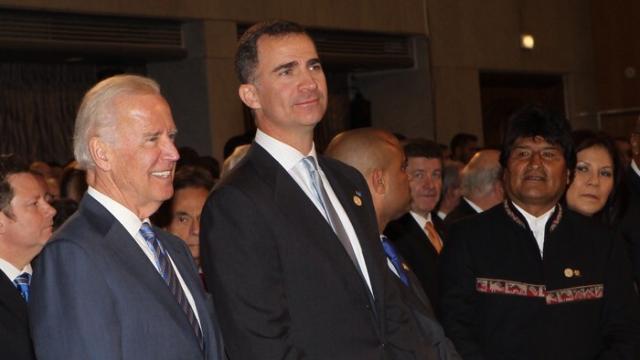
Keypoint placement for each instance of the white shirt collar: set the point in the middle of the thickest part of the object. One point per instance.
(533, 221)
(421, 220)
(285, 154)
(475, 207)
(11, 271)
(126, 217)
(635, 168)
(537, 225)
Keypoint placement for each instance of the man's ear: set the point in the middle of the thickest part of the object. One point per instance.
(3, 222)
(249, 96)
(100, 153)
(378, 182)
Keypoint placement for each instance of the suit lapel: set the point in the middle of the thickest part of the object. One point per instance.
(303, 217)
(347, 192)
(189, 274)
(11, 299)
(418, 234)
(118, 242)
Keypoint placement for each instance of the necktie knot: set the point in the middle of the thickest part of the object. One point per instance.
(147, 232)
(22, 282)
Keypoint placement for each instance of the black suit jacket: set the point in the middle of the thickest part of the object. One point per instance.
(461, 211)
(630, 223)
(439, 346)
(414, 245)
(15, 341)
(96, 295)
(283, 285)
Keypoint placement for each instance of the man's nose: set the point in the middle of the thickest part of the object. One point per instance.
(170, 151)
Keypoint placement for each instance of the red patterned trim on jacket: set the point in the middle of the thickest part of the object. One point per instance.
(578, 293)
(558, 296)
(555, 220)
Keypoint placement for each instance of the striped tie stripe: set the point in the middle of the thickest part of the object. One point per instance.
(168, 274)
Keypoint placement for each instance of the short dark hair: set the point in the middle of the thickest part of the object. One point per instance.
(422, 148)
(532, 121)
(246, 58)
(193, 176)
(187, 176)
(616, 203)
(10, 164)
(461, 139)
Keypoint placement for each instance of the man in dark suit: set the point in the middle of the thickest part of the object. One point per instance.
(109, 285)
(26, 219)
(379, 157)
(481, 186)
(418, 234)
(290, 247)
(629, 228)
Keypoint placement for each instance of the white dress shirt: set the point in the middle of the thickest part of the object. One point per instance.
(635, 168)
(13, 272)
(291, 160)
(537, 225)
(475, 207)
(132, 224)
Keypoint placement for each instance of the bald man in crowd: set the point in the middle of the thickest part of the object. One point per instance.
(481, 184)
(379, 157)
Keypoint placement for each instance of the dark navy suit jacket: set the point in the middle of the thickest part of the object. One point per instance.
(95, 295)
(15, 341)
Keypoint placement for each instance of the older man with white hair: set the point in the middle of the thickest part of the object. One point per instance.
(109, 285)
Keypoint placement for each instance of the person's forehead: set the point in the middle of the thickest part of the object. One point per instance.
(424, 163)
(190, 193)
(534, 142)
(25, 184)
(281, 47)
(143, 112)
(595, 153)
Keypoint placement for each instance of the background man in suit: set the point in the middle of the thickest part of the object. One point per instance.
(481, 185)
(379, 157)
(180, 215)
(108, 285)
(26, 219)
(290, 247)
(418, 234)
(629, 228)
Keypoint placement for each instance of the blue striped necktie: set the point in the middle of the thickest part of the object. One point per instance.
(169, 276)
(22, 282)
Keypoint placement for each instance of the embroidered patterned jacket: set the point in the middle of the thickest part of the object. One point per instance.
(502, 300)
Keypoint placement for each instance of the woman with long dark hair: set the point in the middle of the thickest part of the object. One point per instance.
(596, 187)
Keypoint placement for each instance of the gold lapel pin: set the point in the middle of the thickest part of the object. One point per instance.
(357, 200)
(568, 272)
(576, 272)
(405, 266)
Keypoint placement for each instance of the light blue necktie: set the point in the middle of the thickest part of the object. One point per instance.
(22, 282)
(329, 211)
(168, 273)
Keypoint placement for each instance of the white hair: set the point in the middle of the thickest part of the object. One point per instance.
(96, 115)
